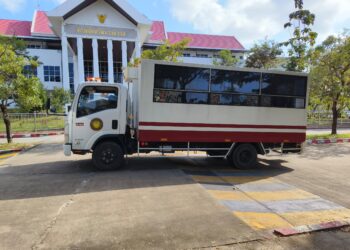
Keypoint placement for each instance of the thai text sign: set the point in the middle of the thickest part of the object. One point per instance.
(95, 31)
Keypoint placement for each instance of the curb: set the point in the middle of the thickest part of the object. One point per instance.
(286, 232)
(32, 135)
(327, 141)
(4, 152)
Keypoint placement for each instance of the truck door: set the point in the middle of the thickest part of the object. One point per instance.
(97, 114)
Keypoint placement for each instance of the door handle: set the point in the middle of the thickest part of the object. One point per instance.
(114, 124)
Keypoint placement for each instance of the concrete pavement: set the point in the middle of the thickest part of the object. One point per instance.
(143, 207)
(49, 201)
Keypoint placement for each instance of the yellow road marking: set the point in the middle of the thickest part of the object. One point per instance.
(295, 194)
(247, 179)
(261, 221)
(316, 217)
(266, 221)
(7, 155)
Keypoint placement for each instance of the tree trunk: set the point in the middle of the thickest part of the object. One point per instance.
(335, 118)
(7, 123)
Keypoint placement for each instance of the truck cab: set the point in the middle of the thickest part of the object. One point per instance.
(98, 114)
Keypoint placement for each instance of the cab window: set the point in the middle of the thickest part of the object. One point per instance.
(94, 99)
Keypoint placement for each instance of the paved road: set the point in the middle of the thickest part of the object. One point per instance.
(49, 201)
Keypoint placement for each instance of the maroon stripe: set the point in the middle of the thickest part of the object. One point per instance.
(209, 136)
(204, 125)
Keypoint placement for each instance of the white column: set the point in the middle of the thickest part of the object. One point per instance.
(65, 62)
(110, 61)
(75, 70)
(81, 71)
(138, 49)
(124, 56)
(95, 57)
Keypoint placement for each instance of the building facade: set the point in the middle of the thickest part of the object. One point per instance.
(83, 39)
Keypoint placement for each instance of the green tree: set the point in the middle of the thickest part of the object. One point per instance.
(299, 4)
(264, 55)
(14, 85)
(303, 37)
(225, 59)
(167, 51)
(60, 97)
(330, 76)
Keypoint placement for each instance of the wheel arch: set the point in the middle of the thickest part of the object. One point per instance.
(258, 146)
(120, 139)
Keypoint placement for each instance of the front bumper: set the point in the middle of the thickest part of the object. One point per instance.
(67, 149)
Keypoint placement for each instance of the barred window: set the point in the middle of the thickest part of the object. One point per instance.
(52, 73)
(190, 85)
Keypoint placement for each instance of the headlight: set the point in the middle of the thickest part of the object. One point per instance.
(96, 124)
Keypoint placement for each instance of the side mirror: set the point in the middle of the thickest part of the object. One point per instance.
(67, 108)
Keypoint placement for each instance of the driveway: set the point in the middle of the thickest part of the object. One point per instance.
(49, 201)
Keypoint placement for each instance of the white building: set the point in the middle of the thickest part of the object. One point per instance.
(97, 38)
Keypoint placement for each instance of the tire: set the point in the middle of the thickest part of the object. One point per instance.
(244, 156)
(108, 156)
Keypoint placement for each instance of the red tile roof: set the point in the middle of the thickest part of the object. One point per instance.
(158, 31)
(207, 41)
(41, 24)
(15, 28)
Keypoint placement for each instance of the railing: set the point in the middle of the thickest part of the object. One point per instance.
(33, 122)
(325, 119)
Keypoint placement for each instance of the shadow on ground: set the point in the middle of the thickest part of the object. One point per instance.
(68, 177)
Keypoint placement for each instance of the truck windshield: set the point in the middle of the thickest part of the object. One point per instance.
(94, 99)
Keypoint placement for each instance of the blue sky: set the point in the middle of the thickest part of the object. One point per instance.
(248, 20)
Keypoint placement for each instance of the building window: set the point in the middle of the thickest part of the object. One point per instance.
(71, 77)
(30, 71)
(175, 84)
(186, 55)
(88, 68)
(34, 46)
(202, 55)
(52, 74)
(118, 72)
(103, 71)
(71, 73)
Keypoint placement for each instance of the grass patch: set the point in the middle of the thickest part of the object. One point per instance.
(7, 146)
(328, 136)
(27, 124)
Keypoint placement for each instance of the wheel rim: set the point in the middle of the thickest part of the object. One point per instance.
(108, 156)
(245, 156)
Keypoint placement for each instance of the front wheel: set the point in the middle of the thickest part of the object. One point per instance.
(108, 156)
(244, 156)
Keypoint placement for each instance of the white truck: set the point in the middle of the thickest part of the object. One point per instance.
(231, 113)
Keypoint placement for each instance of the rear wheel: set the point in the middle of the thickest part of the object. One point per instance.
(244, 156)
(108, 156)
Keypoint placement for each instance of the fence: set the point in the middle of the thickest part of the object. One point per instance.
(36, 122)
(325, 119)
(33, 122)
